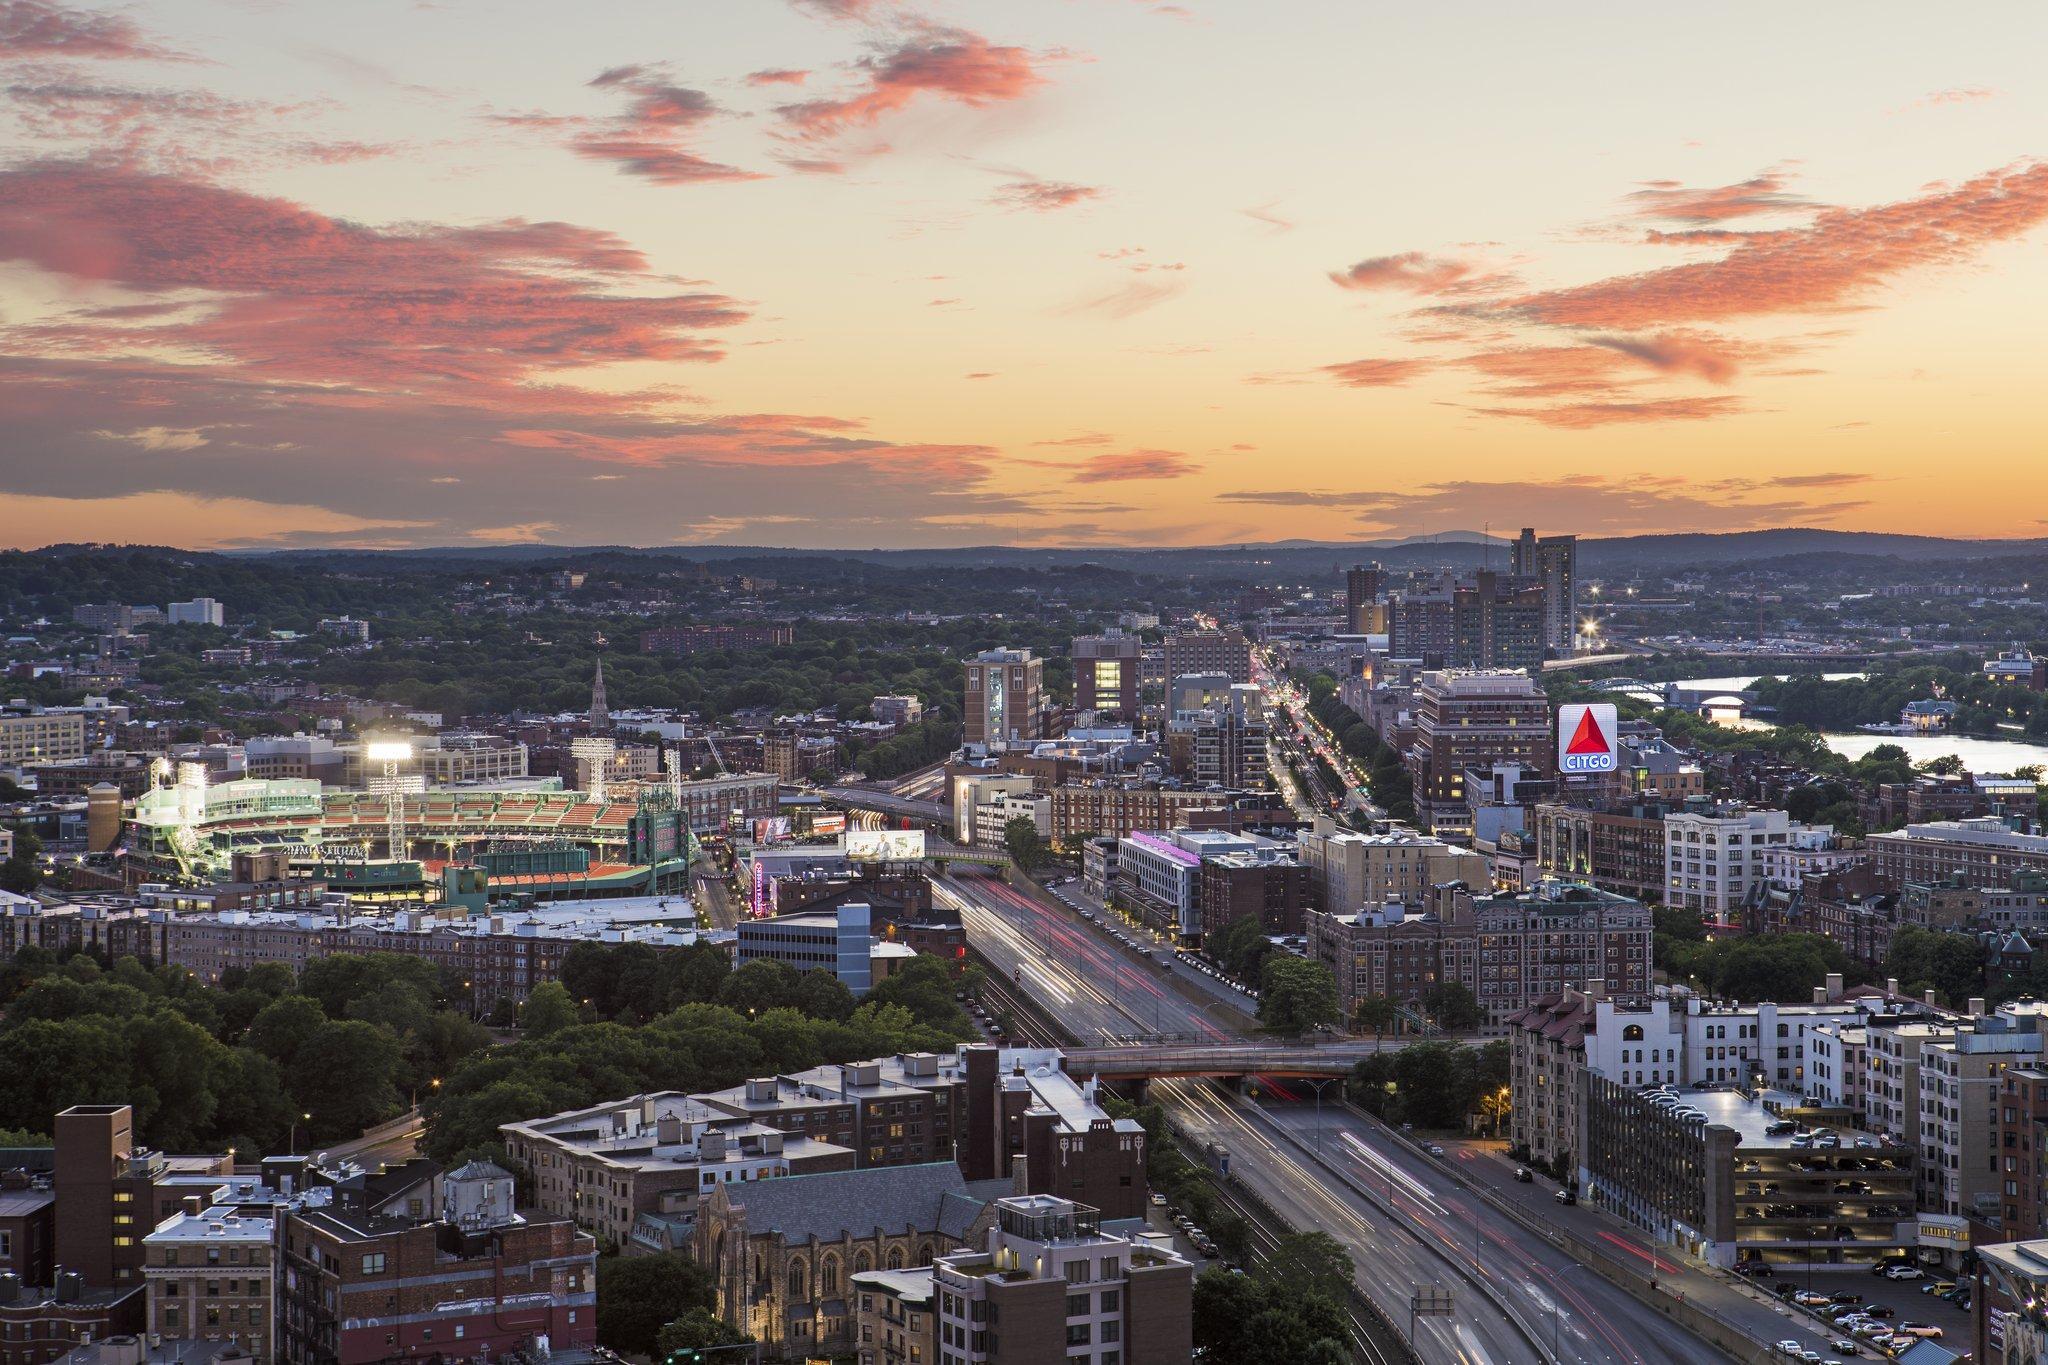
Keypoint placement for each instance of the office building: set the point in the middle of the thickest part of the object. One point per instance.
(1115, 809)
(109, 618)
(839, 941)
(1050, 1283)
(1004, 699)
(1552, 563)
(1487, 621)
(1474, 720)
(200, 611)
(31, 736)
(1209, 651)
(684, 641)
(1273, 889)
(1619, 848)
(1106, 672)
(1365, 590)
(1352, 871)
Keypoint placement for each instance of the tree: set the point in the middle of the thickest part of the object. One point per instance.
(822, 995)
(1313, 1261)
(1021, 839)
(1296, 995)
(694, 1331)
(548, 1010)
(346, 1077)
(1453, 1005)
(1951, 963)
(1262, 1320)
(1948, 765)
(1376, 1012)
(1241, 947)
(639, 1295)
(759, 986)
(20, 873)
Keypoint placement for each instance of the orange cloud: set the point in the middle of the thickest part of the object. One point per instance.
(1377, 372)
(1135, 464)
(1819, 268)
(1578, 416)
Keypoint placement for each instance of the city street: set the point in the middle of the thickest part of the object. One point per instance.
(1328, 1174)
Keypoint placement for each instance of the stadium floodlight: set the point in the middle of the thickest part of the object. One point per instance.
(388, 750)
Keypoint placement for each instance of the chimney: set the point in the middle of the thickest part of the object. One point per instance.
(1891, 985)
(192, 1205)
(1834, 985)
(1820, 995)
(668, 1129)
(1976, 1007)
(1929, 995)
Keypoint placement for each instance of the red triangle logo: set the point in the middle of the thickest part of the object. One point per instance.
(1587, 739)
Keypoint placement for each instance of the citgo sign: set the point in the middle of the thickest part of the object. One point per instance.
(1585, 738)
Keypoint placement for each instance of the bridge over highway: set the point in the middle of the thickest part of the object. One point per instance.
(888, 803)
(1145, 1061)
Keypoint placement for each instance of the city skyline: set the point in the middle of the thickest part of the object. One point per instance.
(839, 273)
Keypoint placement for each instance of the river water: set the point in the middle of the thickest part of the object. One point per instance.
(1978, 755)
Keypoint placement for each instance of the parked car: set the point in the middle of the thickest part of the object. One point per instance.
(1905, 1272)
(1807, 1298)
(1918, 1329)
(1879, 1310)
(1938, 1287)
(1842, 1346)
(1845, 1296)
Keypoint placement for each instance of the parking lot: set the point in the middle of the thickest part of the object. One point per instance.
(1952, 1325)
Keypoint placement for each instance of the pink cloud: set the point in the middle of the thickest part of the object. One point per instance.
(945, 64)
(1759, 194)
(650, 139)
(780, 75)
(43, 28)
(1579, 416)
(294, 294)
(1417, 273)
(1044, 196)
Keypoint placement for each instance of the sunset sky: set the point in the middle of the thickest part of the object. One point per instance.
(1060, 272)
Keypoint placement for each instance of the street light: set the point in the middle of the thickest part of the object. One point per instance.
(293, 1141)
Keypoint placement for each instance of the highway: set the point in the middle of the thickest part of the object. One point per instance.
(1518, 1299)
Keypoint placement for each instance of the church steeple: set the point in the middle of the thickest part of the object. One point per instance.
(600, 715)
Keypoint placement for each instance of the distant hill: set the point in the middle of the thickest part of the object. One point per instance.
(1275, 561)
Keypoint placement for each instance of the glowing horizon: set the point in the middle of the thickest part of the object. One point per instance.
(850, 274)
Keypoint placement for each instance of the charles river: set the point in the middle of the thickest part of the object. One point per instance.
(1978, 755)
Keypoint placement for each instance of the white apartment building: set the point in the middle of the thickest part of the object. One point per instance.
(1959, 1085)
(1713, 857)
(1052, 1285)
(1836, 1058)
(1739, 1043)
(200, 611)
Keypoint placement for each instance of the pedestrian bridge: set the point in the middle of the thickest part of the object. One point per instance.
(1146, 1061)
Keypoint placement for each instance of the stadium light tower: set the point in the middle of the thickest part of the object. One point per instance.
(392, 754)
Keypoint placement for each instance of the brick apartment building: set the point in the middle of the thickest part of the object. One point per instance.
(361, 1287)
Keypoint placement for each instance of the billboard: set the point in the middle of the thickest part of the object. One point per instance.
(884, 845)
(1586, 739)
(773, 829)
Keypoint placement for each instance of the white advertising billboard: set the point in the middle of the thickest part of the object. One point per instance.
(884, 845)
(1586, 739)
